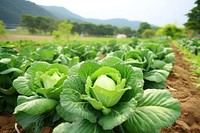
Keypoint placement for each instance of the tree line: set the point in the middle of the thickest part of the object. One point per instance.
(58, 28)
(39, 24)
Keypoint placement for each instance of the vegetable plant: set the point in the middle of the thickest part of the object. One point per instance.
(39, 90)
(108, 96)
(10, 69)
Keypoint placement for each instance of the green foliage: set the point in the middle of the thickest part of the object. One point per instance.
(191, 48)
(193, 45)
(194, 21)
(148, 33)
(170, 30)
(154, 59)
(113, 94)
(10, 69)
(40, 85)
(142, 28)
(11, 11)
(85, 97)
(28, 21)
(2, 28)
(127, 31)
(64, 30)
(36, 24)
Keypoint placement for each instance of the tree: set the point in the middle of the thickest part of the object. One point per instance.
(194, 18)
(170, 30)
(142, 28)
(127, 31)
(29, 22)
(148, 33)
(2, 27)
(104, 30)
(64, 30)
(88, 28)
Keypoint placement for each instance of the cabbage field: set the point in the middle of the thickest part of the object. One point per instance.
(106, 85)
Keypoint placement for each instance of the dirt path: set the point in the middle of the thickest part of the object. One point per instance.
(181, 84)
(24, 37)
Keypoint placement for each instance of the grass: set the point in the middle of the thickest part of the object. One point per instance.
(195, 63)
(17, 31)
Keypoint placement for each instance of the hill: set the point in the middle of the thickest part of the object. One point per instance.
(63, 13)
(11, 10)
(117, 22)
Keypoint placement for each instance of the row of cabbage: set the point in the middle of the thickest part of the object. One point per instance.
(191, 49)
(98, 88)
(192, 44)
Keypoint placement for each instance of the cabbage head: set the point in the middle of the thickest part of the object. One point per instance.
(108, 96)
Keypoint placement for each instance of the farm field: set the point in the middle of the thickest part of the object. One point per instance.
(175, 72)
(23, 37)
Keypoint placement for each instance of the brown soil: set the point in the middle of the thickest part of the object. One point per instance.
(7, 123)
(24, 37)
(181, 85)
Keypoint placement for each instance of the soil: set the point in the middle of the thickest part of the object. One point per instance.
(24, 37)
(181, 85)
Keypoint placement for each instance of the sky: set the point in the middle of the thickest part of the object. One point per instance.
(157, 12)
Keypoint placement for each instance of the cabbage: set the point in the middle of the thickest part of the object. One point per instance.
(108, 96)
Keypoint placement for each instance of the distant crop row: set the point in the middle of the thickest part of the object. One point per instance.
(98, 87)
(193, 45)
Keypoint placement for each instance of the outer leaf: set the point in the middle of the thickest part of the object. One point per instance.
(134, 78)
(32, 108)
(168, 67)
(69, 117)
(156, 75)
(47, 52)
(96, 104)
(61, 68)
(87, 69)
(34, 123)
(119, 113)
(22, 99)
(154, 85)
(155, 110)
(38, 66)
(9, 91)
(110, 61)
(5, 60)
(135, 59)
(170, 58)
(71, 101)
(158, 64)
(11, 70)
(83, 126)
(30, 123)
(21, 85)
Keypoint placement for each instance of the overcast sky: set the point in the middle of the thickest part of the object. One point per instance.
(157, 12)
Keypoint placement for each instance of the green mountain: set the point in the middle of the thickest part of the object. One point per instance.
(11, 10)
(117, 22)
(63, 13)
